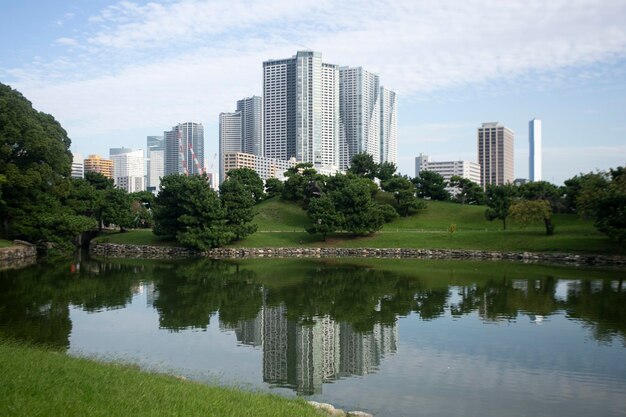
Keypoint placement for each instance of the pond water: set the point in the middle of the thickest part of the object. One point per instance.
(390, 337)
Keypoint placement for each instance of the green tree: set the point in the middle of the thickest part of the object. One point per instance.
(468, 192)
(404, 194)
(273, 187)
(188, 209)
(117, 209)
(363, 165)
(301, 182)
(250, 180)
(323, 216)
(543, 190)
(386, 171)
(587, 184)
(353, 198)
(432, 185)
(526, 212)
(499, 198)
(238, 202)
(610, 207)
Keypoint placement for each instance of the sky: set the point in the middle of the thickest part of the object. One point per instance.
(114, 72)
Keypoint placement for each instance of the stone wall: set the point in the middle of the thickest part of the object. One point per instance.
(138, 251)
(18, 255)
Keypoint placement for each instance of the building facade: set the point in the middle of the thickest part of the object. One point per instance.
(78, 166)
(128, 169)
(155, 162)
(496, 154)
(448, 169)
(184, 149)
(388, 126)
(534, 144)
(300, 109)
(265, 167)
(229, 139)
(251, 110)
(95, 163)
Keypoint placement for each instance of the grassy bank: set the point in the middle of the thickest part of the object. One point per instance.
(282, 224)
(5, 243)
(39, 382)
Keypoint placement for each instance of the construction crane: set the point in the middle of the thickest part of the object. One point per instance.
(181, 154)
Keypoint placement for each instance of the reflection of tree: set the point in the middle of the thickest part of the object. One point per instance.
(601, 304)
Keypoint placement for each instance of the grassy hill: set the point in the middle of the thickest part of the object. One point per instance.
(282, 224)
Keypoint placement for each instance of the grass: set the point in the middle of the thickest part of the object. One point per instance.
(5, 243)
(281, 224)
(41, 382)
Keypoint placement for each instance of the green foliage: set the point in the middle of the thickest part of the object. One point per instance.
(388, 212)
(543, 190)
(499, 199)
(98, 180)
(353, 198)
(273, 187)
(323, 216)
(250, 180)
(298, 179)
(580, 192)
(404, 194)
(117, 209)
(468, 192)
(363, 165)
(431, 185)
(526, 212)
(188, 209)
(610, 207)
(238, 202)
(386, 171)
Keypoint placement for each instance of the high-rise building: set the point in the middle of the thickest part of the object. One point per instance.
(495, 154)
(184, 149)
(251, 109)
(128, 170)
(95, 163)
(448, 169)
(534, 143)
(230, 138)
(155, 162)
(78, 166)
(368, 117)
(300, 109)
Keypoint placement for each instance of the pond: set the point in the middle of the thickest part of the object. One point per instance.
(390, 337)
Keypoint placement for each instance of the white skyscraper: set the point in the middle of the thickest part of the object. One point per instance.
(534, 142)
(368, 117)
(230, 138)
(78, 166)
(155, 163)
(128, 172)
(251, 109)
(300, 109)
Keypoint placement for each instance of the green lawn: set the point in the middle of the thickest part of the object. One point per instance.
(40, 382)
(281, 224)
(5, 243)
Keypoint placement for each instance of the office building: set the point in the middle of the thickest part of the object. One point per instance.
(94, 163)
(534, 144)
(184, 149)
(495, 154)
(251, 110)
(128, 169)
(155, 162)
(388, 126)
(301, 109)
(229, 139)
(78, 166)
(448, 169)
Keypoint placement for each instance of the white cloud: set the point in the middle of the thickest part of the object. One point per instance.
(66, 41)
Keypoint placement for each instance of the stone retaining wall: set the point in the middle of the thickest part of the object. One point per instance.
(139, 251)
(18, 255)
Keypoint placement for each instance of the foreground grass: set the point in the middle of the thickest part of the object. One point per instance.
(39, 382)
(135, 237)
(5, 243)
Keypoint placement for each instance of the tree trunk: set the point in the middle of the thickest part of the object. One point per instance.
(549, 226)
(504, 223)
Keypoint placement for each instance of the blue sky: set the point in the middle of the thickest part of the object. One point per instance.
(115, 72)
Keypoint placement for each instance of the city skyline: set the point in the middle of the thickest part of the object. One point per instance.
(111, 78)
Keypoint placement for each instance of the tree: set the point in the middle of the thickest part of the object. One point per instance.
(323, 216)
(585, 185)
(543, 190)
(35, 163)
(467, 190)
(353, 198)
(117, 209)
(404, 194)
(273, 187)
(525, 212)
(498, 199)
(386, 171)
(188, 210)
(363, 165)
(610, 207)
(432, 185)
(250, 179)
(298, 186)
(238, 202)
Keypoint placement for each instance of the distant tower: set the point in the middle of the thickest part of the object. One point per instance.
(128, 169)
(230, 138)
(251, 109)
(184, 149)
(534, 158)
(155, 154)
(495, 154)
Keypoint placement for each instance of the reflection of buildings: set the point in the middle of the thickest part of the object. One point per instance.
(303, 356)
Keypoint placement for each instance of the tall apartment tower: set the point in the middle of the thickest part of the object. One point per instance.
(128, 169)
(495, 154)
(184, 149)
(251, 109)
(95, 163)
(368, 117)
(230, 138)
(301, 109)
(534, 143)
(155, 162)
(78, 166)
